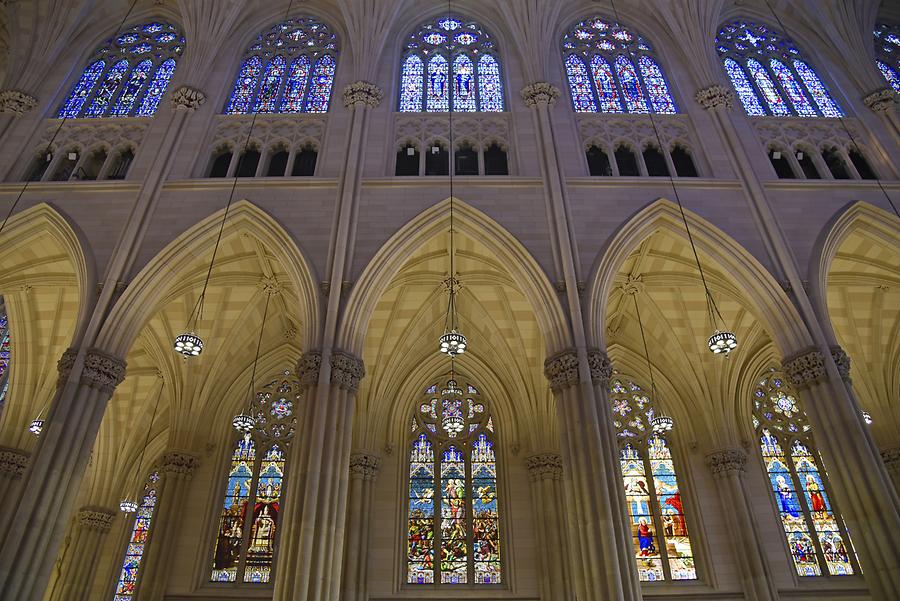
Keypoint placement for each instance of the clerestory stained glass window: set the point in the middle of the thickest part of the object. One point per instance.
(661, 542)
(137, 542)
(5, 349)
(887, 53)
(777, 73)
(816, 536)
(450, 57)
(128, 76)
(287, 69)
(249, 522)
(453, 526)
(624, 74)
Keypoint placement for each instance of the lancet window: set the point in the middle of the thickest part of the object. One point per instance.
(137, 542)
(453, 527)
(816, 535)
(659, 529)
(287, 69)
(611, 69)
(887, 53)
(5, 350)
(451, 61)
(250, 518)
(769, 74)
(127, 76)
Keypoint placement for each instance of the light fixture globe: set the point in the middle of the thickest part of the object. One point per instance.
(243, 423)
(188, 344)
(128, 505)
(867, 417)
(36, 426)
(453, 343)
(662, 424)
(722, 342)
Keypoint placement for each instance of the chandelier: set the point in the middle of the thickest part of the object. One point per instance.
(245, 422)
(452, 419)
(452, 341)
(36, 426)
(129, 504)
(662, 423)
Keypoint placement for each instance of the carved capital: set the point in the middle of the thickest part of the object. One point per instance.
(726, 461)
(96, 518)
(16, 102)
(882, 100)
(544, 466)
(346, 370)
(540, 93)
(891, 458)
(188, 99)
(308, 368)
(102, 370)
(715, 97)
(362, 93)
(364, 465)
(178, 463)
(842, 360)
(64, 366)
(562, 369)
(806, 368)
(600, 366)
(13, 462)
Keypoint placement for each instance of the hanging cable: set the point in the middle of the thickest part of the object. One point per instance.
(129, 505)
(660, 422)
(245, 422)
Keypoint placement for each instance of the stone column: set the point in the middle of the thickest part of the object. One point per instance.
(34, 521)
(176, 468)
(13, 463)
(865, 496)
(727, 467)
(546, 472)
(885, 102)
(891, 458)
(82, 554)
(363, 471)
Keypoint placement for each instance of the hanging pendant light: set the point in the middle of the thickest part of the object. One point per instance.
(245, 422)
(867, 417)
(452, 420)
(129, 504)
(660, 423)
(188, 344)
(36, 426)
(722, 342)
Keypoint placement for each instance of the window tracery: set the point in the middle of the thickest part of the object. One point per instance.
(451, 53)
(887, 53)
(638, 85)
(777, 73)
(128, 76)
(137, 542)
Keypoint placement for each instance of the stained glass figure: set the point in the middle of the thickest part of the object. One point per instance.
(300, 58)
(768, 57)
(446, 53)
(816, 535)
(608, 49)
(661, 542)
(4, 342)
(120, 73)
(137, 542)
(453, 467)
(887, 53)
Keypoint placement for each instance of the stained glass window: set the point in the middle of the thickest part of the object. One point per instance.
(445, 53)
(246, 539)
(287, 69)
(137, 542)
(453, 502)
(661, 543)
(768, 57)
(611, 51)
(889, 74)
(887, 53)
(4, 353)
(126, 76)
(817, 538)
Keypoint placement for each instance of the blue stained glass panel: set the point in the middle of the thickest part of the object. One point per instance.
(826, 104)
(107, 89)
(294, 89)
(889, 74)
(580, 85)
(744, 88)
(490, 88)
(657, 88)
(82, 90)
(140, 532)
(320, 87)
(631, 86)
(411, 83)
(770, 93)
(267, 99)
(244, 87)
(130, 91)
(157, 88)
(798, 98)
(463, 84)
(607, 92)
(437, 99)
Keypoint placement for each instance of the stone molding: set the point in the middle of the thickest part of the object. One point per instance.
(64, 366)
(600, 366)
(96, 518)
(13, 462)
(364, 465)
(842, 360)
(178, 463)
(891, 459)
(540, 93)
(16, 102)
(346, 370)
(561, 369)
(362, 93)
(724, 461)
(188, 99)
(714, 97)
(308, 367)
(882, 100)
(544, 466)
(806, 368)
(102, 370)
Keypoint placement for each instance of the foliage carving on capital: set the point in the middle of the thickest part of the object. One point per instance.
(13, 462)
(64, 366)
(346, 370)
(102, 370)
(16, 102)
(715, 97)
(725, 461)
(806, 368)
(364, 465)
(188, 99)
(96, 518)
(562, 369)
(178, 463)
(842, 360)
(540, 93)
(544, 466)
(601, 367)
(882, 100)
(308, 367)
(362, 93)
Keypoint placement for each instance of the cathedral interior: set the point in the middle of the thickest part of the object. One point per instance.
(376, 300)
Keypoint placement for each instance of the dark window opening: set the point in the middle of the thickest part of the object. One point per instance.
(39, 167)
(627, 162)
(807, 165)
(655, 162)
(437, 161)
(781, 165)
(121, 165)
(495, 161)
(466, 160)
(598, 162)
(835, 163)
(248, 163)
(683, 162)
(90, 169)
(221, 164)
(862, 165)
(66, 166)
(305, 162)
(407, 161)
(278, 164)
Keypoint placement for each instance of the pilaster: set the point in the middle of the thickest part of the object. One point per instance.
(546, 473)
(83, 553)
(363, 472)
